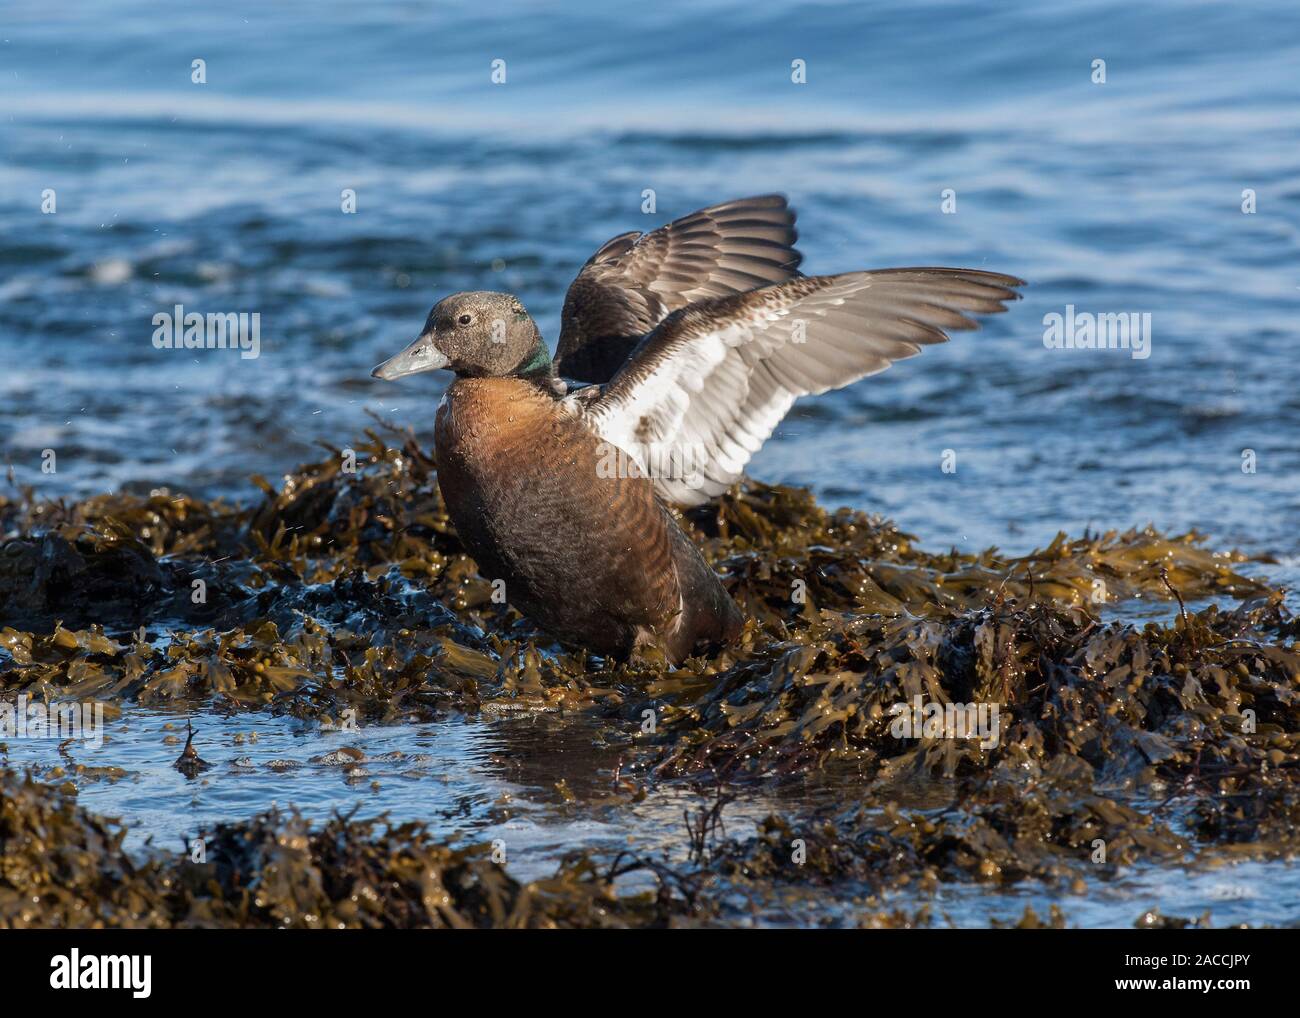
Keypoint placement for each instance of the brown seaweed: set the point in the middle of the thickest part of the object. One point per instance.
(348, 593)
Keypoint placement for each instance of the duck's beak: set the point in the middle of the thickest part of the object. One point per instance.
(421, 355)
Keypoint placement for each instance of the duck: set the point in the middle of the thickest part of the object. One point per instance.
(680, 351)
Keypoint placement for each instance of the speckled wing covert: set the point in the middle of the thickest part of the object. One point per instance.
(635, 280)
(708, 385)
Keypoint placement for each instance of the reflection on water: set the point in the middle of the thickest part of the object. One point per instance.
(544, 787)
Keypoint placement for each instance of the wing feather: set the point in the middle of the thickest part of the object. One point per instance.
(706, 388)
(636, 280)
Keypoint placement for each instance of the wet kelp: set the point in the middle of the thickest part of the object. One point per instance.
(345, 592)
(352, 587)
(63, 867)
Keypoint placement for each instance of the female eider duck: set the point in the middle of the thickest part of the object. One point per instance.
(696, 339)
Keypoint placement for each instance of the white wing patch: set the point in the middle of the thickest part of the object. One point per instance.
(708, 387)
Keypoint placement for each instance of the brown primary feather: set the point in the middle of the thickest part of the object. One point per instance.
(635, 280)
(597, 561)
(715, 378)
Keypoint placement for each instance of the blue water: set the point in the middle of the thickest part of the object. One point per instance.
(1123, 196)
(225, 196)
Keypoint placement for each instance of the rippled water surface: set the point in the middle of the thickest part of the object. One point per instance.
(225, 196)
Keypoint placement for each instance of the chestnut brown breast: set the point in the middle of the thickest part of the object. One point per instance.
(596, 560)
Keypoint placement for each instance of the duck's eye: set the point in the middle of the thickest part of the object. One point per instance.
(465, 319)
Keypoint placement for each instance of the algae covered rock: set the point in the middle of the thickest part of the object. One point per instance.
(965, 716)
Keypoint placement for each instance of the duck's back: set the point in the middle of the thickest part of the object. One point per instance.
(590, 554)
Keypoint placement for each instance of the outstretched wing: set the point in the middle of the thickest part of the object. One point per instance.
(707, 387)
(636, 280)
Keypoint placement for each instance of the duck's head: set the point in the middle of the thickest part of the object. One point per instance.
(476, 335)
